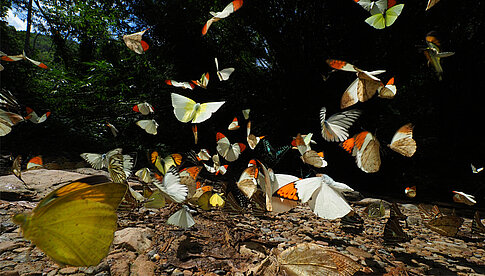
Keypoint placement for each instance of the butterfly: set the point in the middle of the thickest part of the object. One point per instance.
(477, 225)
(113, 129)
(187, 110)
(393, 232)
(144, 108)
(118, 172)
(216, 16)
(395, 212)
(336, 127)
(446, 225)
(431, 3)
(189, 177)
(22, 56)
(155, 200)
(135, 43)
(229, 151)
(163, 165)
(461, 197)
(171, 187)
(16, 169)
(245, 113)
(144, 175)
(203, 81)
(150, 126)
(8, 101)
(428, 215)
(248, 181)
(281, 199)
(196, 134)
(234, 125)
(183, 84)
(314, 259)
(273, 155)
(388, 91)
(182, 218)
(323, 194)
(252, 139)
(224, 73)
(34, 118)
(7, 121)
(383, 13)
(75, 224)
(302, 142)
(362, 88)
(210, 199)
(99, 161)
(35, 163)
(410, 191)
(217, 166)
(309, 156)
(365, 148)
(475, 169)
(402, 142)
(375, 210)
(433, 53)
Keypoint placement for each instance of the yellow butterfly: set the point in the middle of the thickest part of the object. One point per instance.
(75, 224)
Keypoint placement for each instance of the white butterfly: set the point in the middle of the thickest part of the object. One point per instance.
(252, 139)
(99, 161)
(34, 118)
(171, 187)
(22, 57)
(182, 218)
(230, 8)
(335, 129)
(475, 169)
(181, 84)
(461, 197)
(324, 196)
(229, 151)
(224, 73)
(7, 121)
(150, 126)
(234, 125)
(113, 129)
(186, 109)
(144, 108)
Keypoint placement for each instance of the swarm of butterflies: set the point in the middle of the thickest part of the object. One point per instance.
(87, 207)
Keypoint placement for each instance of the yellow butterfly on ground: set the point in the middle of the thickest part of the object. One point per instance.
(75, 224)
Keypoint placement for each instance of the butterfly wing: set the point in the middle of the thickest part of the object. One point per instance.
(314, 158)
(171, 186)
(76, 228)
(368, 156)
(377, 21)
(392, 13)
(388, 91)
(35, 163)
(150, 126)
(328, 204)
(349, 97)
(402, 142)
(182, 218)
(335, 129)
(205, 111)
(183, 107)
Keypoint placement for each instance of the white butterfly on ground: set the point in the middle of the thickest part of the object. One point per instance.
(182, 218)
(336, 128)
(324, 196)
(186, 109)
(229, 151)
(216, 16)
(34, 118)
(144, 108)
(150, 126)
(171, 187)
(475, 169)
(135, 43)
(224, 73)
(181, 84)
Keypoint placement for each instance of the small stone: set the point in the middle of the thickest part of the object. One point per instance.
(68, 270)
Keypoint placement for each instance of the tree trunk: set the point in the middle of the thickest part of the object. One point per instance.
(27, 31)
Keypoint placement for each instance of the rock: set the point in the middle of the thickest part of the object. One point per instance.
(120, 263)
(8, 246)
(68, 270)
(358, 252)
(142, 266)
(134, 239)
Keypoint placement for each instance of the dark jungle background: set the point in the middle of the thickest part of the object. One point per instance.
(279, 50)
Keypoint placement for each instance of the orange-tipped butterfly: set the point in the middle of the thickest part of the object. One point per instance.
(35, 163)
(230, 8)
(234, 125)
(181, 84)
(144, 108)
(229, 151)
(135, 43)
(402, 142)
(365, 148)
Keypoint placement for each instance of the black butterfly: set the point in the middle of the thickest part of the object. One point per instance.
(272, 156)
(393, 232)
